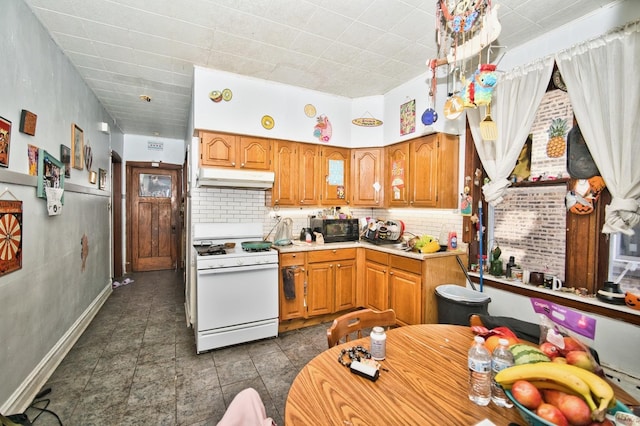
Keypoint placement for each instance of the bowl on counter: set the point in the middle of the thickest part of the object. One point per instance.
(533, 419)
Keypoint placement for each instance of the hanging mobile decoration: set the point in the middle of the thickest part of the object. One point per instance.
(477, 21)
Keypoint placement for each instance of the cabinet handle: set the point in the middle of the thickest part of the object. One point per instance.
(338, 265)
(233, 164)
(241, 164)
(391, 273)
(293, 255)
(333, 251)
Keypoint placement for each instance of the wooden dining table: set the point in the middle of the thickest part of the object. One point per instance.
(423, 381)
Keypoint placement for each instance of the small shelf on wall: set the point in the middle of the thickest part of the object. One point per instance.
(549, 182)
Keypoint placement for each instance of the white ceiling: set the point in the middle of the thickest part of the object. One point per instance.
(353, 48)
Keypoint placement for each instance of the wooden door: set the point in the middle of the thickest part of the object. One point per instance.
(217, 150)
(154, 218)
(285, 187)
(308, 174)
(397, 185)
(320, 288)
(423, 171)
(254, 153)
(366, 178)
(335, 172)
(345, 285)
(116, 212)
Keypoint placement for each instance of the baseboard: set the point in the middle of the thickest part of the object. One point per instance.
(24, 394)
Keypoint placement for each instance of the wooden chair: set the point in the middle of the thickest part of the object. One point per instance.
(354, 322)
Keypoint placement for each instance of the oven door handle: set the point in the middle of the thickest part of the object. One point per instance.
(231, 269)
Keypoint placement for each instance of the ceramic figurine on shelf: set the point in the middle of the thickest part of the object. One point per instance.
(495, 262)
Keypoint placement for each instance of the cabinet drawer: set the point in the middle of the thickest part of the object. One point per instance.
(406, 264)
(376, 256)
(331, 255)
(290, 259)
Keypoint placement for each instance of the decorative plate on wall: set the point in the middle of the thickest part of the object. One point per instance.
(310, 110)
(267, 122)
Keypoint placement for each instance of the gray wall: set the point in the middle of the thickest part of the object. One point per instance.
(45, 302)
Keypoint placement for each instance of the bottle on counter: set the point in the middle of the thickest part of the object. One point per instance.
(378, 343)
(510, 265)
(479, 362)
(501, 358)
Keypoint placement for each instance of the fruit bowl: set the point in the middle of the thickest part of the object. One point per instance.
(533, 420)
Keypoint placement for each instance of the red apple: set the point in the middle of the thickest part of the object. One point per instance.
(550, 350)
(553, 397)
(579, 359)
(575, 410)
(571, 344)
(526, 394)
(552, 414)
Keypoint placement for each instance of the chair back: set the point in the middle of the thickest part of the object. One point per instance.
(354, 322)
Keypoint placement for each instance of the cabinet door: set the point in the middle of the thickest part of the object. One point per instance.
(335, 172)
(295, 307)
(376, 287)
(308, 174)
(285, 187)
(217, 150)
(397, 185)
(424, 171)
(404, 296)
(345, 285)
(254, 153)
(320, 288)
(448, 175)
(366, 176)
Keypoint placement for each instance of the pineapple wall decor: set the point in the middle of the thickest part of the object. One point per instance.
(557, 144)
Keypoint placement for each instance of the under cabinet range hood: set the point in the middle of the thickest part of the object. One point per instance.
(232, 178)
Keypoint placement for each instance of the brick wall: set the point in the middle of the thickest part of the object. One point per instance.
(530, 225)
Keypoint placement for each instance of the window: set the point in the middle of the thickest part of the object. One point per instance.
(624, 260)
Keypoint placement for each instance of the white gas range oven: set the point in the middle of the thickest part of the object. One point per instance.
(236, 290)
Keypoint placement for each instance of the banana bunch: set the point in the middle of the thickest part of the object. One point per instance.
(596, 392)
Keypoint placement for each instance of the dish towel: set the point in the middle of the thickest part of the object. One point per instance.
(288, 282)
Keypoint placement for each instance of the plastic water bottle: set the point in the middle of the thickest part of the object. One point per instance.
(479, 362)
(501, 358)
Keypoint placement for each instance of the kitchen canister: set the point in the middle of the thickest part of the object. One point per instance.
(378, 343)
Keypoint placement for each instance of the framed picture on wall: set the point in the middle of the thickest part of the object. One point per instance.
(50, 173)
(77, 147)
(102, 178)
(65, 157)
(5, 141)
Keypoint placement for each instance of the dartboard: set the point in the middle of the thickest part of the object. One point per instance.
(10, 236)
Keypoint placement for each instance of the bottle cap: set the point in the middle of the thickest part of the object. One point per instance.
(479, 339)
(503, 342)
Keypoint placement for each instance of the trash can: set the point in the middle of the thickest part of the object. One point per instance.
(457, 303)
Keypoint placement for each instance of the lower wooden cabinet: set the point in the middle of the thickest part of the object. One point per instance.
(405, 289)
(294, 307)
(376, 280)
(325, 282)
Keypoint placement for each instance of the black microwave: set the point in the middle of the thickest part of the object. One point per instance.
(336, 230)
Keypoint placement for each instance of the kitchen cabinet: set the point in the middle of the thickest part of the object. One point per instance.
(297, 174)
(234, 151)
(336, 166)
(367, 183)
(331, 285)
(423, 172)
(294, 307)
(405, 287)
(376, 281)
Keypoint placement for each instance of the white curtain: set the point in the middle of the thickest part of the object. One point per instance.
(604, 87)
(513, 109)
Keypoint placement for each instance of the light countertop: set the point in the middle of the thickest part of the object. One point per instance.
(396, 249)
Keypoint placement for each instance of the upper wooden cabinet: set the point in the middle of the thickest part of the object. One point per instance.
(239, 152)
(336, 167)
(367, 184)
(423, 172)
(297, 180)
